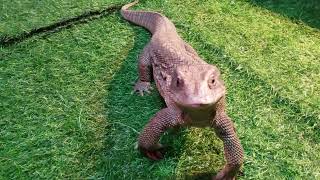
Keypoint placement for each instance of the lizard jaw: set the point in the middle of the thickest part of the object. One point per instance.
(196, 105)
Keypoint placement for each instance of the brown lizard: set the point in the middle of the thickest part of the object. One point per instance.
(192, 90)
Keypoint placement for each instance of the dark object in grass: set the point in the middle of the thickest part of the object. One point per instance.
(192, 89)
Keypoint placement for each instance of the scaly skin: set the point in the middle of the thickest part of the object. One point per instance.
(192, 89)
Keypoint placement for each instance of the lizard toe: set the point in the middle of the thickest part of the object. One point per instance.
(154, 155)
(142, 87)
(141, 93)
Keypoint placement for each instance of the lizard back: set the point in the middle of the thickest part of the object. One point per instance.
(166, 50)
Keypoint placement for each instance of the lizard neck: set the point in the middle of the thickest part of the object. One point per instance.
(199, 117)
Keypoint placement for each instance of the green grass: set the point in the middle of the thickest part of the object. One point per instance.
(52, 104)
(66, 110)
(20, 16)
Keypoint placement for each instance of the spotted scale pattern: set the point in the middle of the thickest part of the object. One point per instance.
(164, 119)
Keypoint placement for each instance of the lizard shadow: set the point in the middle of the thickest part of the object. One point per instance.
(127, 114)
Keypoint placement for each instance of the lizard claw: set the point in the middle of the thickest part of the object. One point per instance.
(155, 155)
(227, 173)
(142, 87)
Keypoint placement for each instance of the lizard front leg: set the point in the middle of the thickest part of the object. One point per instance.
(149, 138)
(233, 150)
(145, 72)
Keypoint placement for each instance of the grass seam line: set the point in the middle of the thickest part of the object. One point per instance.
(85, 17)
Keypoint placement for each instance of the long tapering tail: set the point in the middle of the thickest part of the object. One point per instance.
(146, 19)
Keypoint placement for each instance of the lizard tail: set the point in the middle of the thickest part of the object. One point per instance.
(146, 19)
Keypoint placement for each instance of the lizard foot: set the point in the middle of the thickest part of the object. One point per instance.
(155, 155)
(142, 87)
(227, 173)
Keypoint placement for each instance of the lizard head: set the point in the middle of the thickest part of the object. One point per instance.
(197, 86)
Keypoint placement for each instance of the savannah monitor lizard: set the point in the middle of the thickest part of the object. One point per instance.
(192, 90)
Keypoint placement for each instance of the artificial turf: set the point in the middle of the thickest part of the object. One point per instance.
(66, 109)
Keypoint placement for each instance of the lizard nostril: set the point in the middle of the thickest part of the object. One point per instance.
(179, 82)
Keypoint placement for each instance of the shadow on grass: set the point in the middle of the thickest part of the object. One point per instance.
(200, 176)
(297, 10)
(127, 114)
(60, 25)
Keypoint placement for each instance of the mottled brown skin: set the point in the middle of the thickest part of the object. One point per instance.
(192, 89)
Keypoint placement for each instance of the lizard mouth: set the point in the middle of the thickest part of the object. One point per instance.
(196, 105)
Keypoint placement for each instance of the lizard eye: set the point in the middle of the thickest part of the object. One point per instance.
(213, 79)
(179, 82)
(211, 82)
